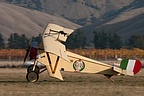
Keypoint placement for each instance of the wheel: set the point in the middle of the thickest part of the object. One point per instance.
(32, 76)
(30, 68)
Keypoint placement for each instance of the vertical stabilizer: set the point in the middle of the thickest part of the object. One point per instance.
(128, 67)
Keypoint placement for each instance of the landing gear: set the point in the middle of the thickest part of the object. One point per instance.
(32, 76)
(32, 73)
(31, 67)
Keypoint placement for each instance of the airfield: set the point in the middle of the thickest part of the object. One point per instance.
(14, 83)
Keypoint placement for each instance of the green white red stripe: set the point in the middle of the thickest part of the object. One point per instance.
(131, 65)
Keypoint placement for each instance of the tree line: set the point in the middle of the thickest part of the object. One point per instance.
(101, 40)
(16, 41)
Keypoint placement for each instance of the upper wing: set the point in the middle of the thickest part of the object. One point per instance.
(52, 36)
(58, 32)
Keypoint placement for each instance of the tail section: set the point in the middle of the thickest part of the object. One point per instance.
(128, 67)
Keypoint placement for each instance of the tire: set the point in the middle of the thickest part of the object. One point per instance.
(32, 76)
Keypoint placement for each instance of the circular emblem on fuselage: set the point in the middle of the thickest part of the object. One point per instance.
(78, 65)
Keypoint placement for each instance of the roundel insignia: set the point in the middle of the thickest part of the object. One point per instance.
(78, 65)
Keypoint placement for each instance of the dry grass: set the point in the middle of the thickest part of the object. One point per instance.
(13, 83)
(15, 19)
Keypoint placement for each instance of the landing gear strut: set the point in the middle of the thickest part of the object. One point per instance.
(32, 73)
(36, 69)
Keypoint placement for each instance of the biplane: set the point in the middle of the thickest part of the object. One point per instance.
(54, 57)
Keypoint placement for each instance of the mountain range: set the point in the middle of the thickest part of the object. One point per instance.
(82, 12)
(15, 19)
(124, 17)
(126, 24)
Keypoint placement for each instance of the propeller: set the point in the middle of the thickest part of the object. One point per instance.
(27, 51)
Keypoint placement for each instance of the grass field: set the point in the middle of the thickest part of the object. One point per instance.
(14, 83)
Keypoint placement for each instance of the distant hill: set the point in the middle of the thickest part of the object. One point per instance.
(124, 17)
(15, 19)
(126, 24)
(82, 12)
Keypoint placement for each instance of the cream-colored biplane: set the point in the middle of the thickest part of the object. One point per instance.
(53, 55)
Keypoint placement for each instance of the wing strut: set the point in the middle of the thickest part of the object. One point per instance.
(56, 64)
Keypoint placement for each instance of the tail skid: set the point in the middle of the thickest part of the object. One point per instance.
(109, 77)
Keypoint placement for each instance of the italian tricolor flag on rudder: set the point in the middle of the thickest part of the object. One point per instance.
(131, 65)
